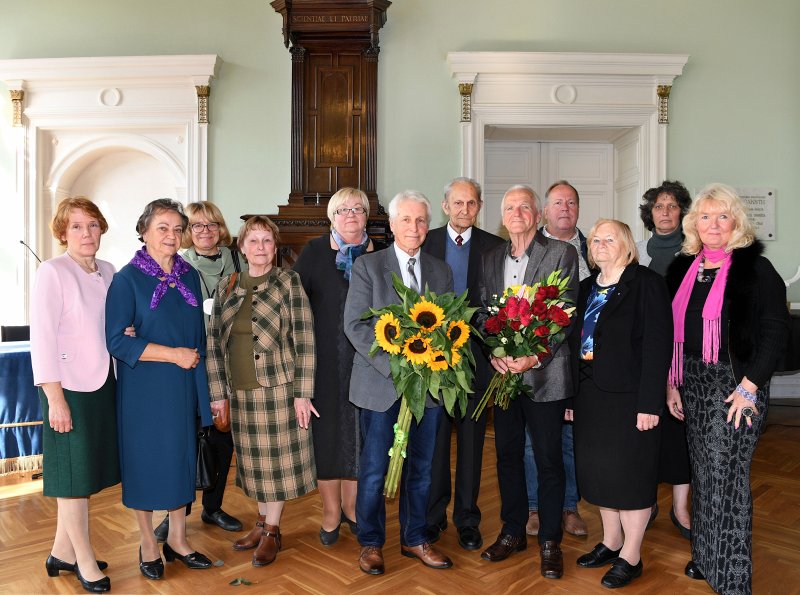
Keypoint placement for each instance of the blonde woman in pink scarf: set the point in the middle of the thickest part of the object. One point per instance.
(730, 325)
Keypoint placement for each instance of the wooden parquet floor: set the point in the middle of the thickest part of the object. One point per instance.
(27, 523)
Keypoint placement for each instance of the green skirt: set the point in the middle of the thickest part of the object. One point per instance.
(85, 460)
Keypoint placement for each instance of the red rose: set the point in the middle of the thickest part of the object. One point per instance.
(512, 306)
(541, 331)
(493, 325)
(541, 294)
(525, 317)
(502, 315)
(558, 316)
(538, 308)
(514, 324)
(524, 305)
(552, 292)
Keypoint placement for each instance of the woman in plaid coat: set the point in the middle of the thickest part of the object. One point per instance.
(261, 357)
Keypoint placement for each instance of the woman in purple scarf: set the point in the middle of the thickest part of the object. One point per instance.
(730, 325)
(161, 382)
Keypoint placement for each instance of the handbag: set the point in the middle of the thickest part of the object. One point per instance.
(222, 421)
(206, 462)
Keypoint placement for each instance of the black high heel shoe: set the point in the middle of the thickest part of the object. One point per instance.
(153, 570)
(99, 586)
(195, 560)
(352, 524)
(685, 531)
(53, 565)
(329, 537)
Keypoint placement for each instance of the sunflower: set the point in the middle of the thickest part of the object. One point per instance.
(437, 362)
(417, 349)
(455, 357)
(387, 331)
(458, 333)
(427, 315)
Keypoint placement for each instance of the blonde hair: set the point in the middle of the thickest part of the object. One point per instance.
(258, 222)
(342, 196)
(743, 233)
(77, 203)
(198, 210)
(623, 233)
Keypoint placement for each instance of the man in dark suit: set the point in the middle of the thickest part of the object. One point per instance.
(461, 245)
(372, 388)
(526, 258)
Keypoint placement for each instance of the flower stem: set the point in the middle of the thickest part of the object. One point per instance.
(398, 450)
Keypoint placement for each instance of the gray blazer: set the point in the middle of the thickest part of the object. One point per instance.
(553, 380)
(371, 385)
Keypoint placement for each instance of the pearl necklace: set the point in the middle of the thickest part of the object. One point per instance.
(606, 283)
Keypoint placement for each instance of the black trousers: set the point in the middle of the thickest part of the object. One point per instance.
(222, 443)
(469, 457)
(544, 420)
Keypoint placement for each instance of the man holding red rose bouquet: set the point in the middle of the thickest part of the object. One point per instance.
(528, 257)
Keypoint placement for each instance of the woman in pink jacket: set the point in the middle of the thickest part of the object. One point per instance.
(76, 384)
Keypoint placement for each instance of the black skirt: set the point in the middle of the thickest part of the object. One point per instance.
(616, 464)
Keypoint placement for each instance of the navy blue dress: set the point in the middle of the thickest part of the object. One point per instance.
(157, 403)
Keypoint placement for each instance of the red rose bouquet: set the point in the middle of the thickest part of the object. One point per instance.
(524, 320)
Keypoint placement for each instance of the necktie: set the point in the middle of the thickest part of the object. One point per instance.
(459, 240)
(412, 275)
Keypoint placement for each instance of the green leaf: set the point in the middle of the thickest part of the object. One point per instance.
(415, 396)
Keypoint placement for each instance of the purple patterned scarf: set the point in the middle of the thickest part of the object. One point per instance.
(145, 263)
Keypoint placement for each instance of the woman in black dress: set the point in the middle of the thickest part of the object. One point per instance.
(731, 324)
(623, 360)
(324, 268)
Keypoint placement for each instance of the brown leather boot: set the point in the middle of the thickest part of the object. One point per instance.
(268, 547)
(251, 540)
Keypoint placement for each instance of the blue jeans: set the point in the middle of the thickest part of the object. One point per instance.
(377, 435)
(571, 496)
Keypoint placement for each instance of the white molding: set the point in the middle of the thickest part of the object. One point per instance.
(566, 90)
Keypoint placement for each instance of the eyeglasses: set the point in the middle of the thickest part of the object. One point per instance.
(198, 227)
(354, 210)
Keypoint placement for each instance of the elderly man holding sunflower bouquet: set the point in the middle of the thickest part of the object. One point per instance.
(373, 390)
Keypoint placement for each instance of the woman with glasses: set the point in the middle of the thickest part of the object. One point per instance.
(207, 241)
(324, 268)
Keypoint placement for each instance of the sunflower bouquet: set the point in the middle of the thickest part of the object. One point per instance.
(426, 339)
(524, 320)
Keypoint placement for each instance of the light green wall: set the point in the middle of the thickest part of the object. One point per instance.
(733, 111)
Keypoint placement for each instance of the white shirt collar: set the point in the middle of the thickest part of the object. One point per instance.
(547, 234)
(465, 235)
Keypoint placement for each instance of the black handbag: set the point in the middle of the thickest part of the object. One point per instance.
(206, 462)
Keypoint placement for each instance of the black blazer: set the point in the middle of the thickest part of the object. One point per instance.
(479, 243)
(632, 337)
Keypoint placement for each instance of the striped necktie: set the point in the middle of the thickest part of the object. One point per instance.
(412, 275)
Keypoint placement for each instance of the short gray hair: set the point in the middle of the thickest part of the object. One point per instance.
(462, 180)
(408, 196)
(527, 189)
(155, 207)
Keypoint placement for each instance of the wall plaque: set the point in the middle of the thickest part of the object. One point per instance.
(761, 207)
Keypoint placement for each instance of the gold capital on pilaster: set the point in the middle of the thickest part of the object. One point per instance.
(663, 103)
(465, 89)
(17, 97)
(203, 91)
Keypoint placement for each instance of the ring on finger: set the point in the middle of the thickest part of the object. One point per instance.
(748, 411)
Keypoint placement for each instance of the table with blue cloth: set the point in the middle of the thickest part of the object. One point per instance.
(20, 411)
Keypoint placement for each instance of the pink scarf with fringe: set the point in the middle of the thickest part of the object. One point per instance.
(712, 311)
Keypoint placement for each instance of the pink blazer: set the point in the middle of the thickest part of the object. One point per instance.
(68, 311)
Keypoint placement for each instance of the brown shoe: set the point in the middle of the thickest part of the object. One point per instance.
(268, 547)
(552, 560)
(427, 554)
(252, 539)
(532, 528)
(504, 547)
(574, 524)
(371, 560)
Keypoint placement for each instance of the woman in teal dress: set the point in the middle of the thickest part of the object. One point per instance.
(162, 386)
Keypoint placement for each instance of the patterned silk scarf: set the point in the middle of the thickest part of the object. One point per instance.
(347, 253)
(145, 263)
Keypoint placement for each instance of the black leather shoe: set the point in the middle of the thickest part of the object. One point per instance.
(503, 547)
(685, 531)
(599, 556)
(621, 574)
(552, 560)
(153, 570)
(470, 538)
(162, 530)
(195, 560)
(352, 524)
(53, 565)
(99, 586)
(221, 519)
(328, 537)
(433, 532)
(692, 571)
